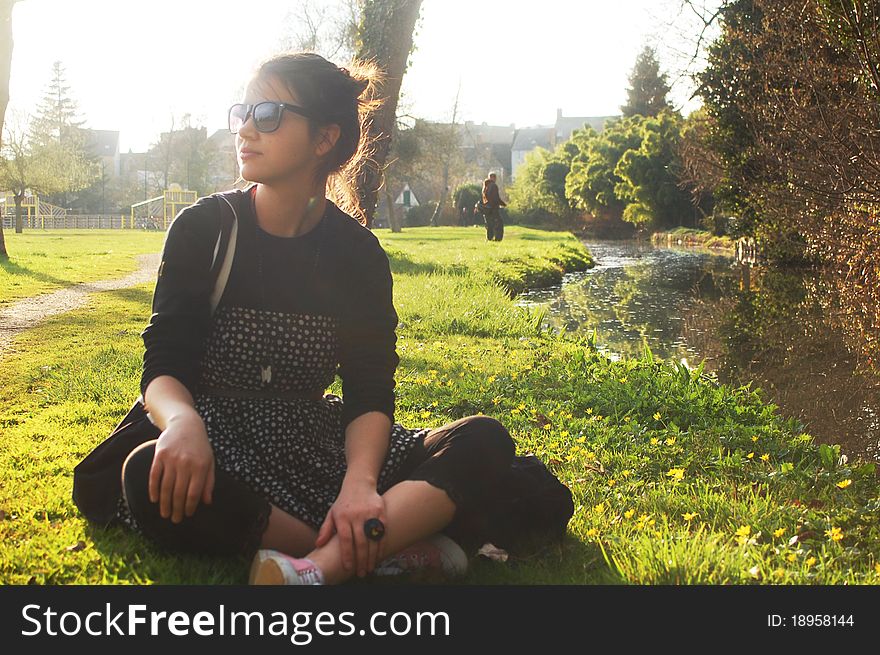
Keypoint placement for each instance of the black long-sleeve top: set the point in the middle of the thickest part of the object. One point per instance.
(337, 270)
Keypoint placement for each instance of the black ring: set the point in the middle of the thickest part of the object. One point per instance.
(374, 529)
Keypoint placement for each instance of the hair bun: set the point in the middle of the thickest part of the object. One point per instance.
(358, 85)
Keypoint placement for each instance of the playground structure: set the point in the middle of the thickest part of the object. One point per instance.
(37, 214)
(157, 213)
(153, 214)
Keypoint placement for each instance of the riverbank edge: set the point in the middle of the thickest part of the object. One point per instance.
(689, 237)
(545, 271)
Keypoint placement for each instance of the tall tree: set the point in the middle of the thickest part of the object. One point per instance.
(648, 88)
(386, 38)
(449, 151)
(57, 113)
(5, 70)
(48, 168)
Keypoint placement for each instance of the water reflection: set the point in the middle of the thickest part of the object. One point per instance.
(785, 331)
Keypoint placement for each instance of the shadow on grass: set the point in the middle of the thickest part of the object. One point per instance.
(402, 264)
(132, 558)
(134, 295)
(17, 270)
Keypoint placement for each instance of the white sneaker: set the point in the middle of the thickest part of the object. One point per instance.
(271, 567)
(436, 553)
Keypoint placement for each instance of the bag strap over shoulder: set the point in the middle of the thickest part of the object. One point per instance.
(224, 250)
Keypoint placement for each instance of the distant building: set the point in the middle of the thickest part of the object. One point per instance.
(488, 147)
(527, 139)
(223, 171)
(550, 136)
(103, 145)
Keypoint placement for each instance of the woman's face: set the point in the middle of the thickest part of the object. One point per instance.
(290, 153)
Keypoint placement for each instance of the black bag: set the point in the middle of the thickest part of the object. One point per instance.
(531, 507)
(97, 479)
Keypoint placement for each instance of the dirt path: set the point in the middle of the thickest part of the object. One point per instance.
(26, 313)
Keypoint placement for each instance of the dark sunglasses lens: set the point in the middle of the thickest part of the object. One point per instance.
(267, 116)
(237, 115)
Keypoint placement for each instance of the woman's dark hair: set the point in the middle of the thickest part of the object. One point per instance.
(346, 97)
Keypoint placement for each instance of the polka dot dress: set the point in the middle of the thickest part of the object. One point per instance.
(291, 451)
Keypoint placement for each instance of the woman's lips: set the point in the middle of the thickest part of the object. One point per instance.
(247, 154)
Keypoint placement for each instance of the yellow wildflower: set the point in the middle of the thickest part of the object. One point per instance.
(612, 482)
(589, 410)
(547, 426)
(670, 441)
(877, 569)
(490, 379)
(592, 532)
(628, 514)
(835, 534)
(778, 533)
(690, 516)
(581, 440)
(810, 561)
(521, 406)
(432, 373)
(514, 411)
(626, 419)
(654, 441)
(600, 508)
(843, 484)
(755, 438)
(657, 416)
(426, 414)
(626, 473)
(744, 531)
(564, 433)
(676, 474)
(513, 376)
(623, 379)
(791, 557)
(765, 457)
(751, 455)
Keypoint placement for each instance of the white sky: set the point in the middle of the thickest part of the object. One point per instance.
(131, 65)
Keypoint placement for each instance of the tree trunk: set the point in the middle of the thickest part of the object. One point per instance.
(18, 212)
(386, 37)
(5, 70)
(393, 218)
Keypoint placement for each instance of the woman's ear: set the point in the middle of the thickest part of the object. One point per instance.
(327, 138)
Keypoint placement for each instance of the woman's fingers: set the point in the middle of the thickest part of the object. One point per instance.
(155, 479)
(346, 546)
(208, 491)
(166, 491)
(178, 503)
(326, 530)
(194, 492)
(361, 548)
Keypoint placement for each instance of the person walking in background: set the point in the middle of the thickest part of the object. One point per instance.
(492, 204)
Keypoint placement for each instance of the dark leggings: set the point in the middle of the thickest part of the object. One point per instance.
(465, 458)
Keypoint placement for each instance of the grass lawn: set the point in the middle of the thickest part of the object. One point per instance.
(676, 479)
(41, 261)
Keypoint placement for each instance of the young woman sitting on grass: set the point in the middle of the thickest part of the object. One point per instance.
(253, 456)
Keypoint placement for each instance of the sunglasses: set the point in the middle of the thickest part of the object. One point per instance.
(266, 115)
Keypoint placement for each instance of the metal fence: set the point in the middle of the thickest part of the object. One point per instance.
(76, 222)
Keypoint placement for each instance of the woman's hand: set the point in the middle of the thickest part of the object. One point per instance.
(183, 468)
(358, 501)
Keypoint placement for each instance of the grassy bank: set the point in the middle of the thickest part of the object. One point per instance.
(45, 260)
(684, 236)
(676, 479)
